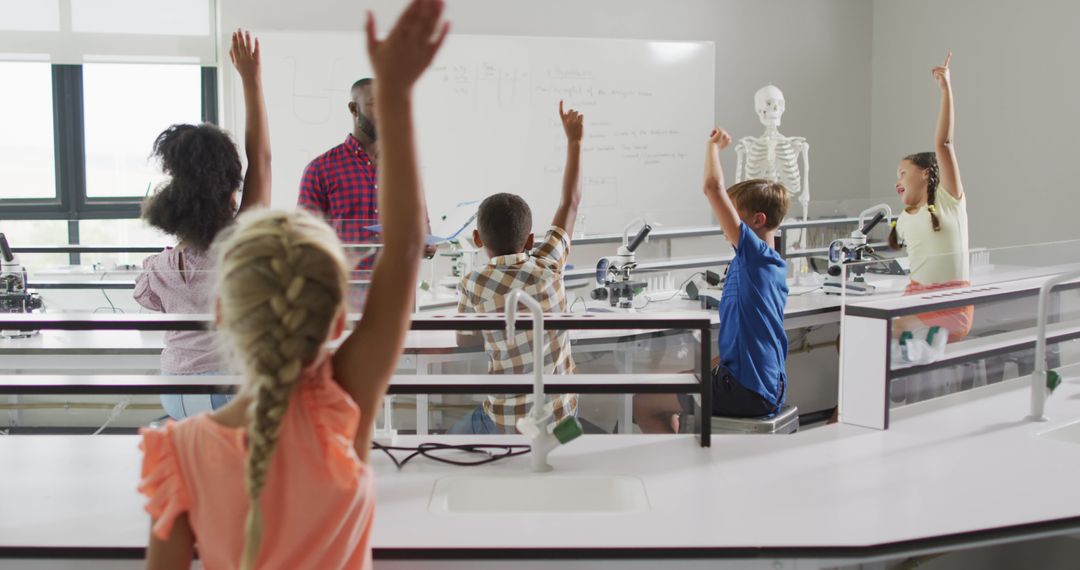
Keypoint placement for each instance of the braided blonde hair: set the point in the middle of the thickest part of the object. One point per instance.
(283, 279)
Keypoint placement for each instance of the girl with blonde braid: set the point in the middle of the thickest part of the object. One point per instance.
(278, 478)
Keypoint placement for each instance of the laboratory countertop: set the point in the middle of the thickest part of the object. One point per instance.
(967, 467)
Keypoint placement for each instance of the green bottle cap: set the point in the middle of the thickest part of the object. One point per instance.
(568, 430)
(1053, 380)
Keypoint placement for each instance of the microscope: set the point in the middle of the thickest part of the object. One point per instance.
(14, 296)
(613, 274)
(462, 258)
(855, 251)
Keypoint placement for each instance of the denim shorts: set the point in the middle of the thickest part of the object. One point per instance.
(475, 422)
(180, 406)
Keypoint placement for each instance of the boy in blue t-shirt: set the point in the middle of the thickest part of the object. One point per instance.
(750, 380)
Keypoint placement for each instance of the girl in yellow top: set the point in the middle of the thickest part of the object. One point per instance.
(934, 225)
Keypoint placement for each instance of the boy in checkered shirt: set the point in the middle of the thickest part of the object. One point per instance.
(504, 230)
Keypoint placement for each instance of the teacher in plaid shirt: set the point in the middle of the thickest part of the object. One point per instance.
(341, 184)
(504, 230)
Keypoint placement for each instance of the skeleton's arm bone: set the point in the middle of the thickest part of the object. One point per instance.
(740, 159)
(804, 198)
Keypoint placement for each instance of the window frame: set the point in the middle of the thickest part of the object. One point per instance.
(69, 147)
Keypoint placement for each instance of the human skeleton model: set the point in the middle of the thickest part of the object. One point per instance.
(773, 156)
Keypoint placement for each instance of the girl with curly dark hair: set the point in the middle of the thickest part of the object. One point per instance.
(195, 204)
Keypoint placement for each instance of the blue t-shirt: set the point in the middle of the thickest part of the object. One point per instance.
(753, 343)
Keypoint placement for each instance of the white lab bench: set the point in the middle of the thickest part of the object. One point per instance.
(964, 469)
(813, 387)
(868, 369)
(961, 470)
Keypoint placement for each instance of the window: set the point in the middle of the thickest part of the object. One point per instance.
(119, 232)
(30, 16)
(88, 86)
(127, 232)
(152, 17)
(22, 233)
(27, 162)
(67, 31)
(125, 107)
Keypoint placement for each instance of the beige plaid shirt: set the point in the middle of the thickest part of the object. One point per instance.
(539, 275)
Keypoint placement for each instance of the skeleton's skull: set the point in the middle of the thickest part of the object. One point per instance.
(769, 104)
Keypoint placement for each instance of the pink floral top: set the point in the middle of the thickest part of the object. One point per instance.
(163, 287)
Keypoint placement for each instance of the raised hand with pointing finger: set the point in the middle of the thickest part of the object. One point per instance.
(566, 214)
(572, 122)
(941, 73)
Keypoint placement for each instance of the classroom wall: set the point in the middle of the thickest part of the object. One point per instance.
(1015, 80)
(817, 51)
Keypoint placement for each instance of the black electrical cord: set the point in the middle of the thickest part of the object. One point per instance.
(112, 307)
(576, 299)
(818, 288)
(426, 450)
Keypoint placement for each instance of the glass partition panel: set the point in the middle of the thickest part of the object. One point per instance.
(614, 364)
(78, 289)
(961, 321)
(643, 377)
(101, 273)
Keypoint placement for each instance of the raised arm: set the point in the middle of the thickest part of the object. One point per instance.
(246, 56)
(716, 190)
(566, 214)
(367, 359)
(943, 138)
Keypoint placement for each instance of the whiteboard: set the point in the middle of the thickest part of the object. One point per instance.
(487, 120)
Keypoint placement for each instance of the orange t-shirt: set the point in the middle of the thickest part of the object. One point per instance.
(319, 500)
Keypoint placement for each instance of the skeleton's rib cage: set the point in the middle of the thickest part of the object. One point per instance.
(773, 158)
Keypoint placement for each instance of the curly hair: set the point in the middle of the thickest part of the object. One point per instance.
(204, 171)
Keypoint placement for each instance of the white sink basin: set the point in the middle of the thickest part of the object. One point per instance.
(539, 494)
(1070, 433)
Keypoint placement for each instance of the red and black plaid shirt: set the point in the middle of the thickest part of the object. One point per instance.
(342, 186)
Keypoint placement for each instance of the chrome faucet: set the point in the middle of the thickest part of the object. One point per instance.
(534, 424)
(1043, 381)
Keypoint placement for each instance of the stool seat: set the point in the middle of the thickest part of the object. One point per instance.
(784, 421)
